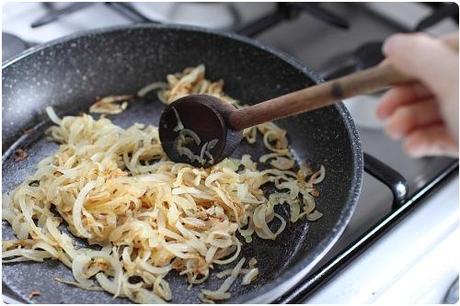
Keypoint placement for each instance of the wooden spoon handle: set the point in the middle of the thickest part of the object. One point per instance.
(363, 82)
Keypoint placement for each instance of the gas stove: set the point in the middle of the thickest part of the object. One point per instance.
(397, 236)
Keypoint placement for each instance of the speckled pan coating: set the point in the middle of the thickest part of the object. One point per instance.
(70, 73)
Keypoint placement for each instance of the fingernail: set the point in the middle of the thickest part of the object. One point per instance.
(415, 148)
(393, 134)
(381, 114)
(415, 154)
(414, 151)
(392, 43)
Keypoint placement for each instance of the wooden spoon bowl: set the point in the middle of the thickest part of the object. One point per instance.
(205, 115)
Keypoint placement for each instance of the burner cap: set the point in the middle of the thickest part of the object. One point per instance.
(11, 46)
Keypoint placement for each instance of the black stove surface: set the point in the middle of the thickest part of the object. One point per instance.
(12, 45)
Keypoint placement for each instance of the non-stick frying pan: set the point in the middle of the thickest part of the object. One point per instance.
(70, 73)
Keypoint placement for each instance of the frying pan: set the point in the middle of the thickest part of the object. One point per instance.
(70, 73)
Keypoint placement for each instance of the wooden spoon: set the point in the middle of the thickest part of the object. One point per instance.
(211, 118)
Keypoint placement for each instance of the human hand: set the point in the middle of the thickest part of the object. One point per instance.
(423, 114)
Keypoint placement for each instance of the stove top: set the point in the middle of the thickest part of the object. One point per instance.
(333, 39)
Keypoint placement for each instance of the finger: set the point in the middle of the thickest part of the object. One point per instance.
(433, 140)
(424, 58)
(409, 117)
(399, 96)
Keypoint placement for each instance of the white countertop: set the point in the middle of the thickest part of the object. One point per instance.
(415, 262)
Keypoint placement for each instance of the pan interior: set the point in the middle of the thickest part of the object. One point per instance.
(121, 62)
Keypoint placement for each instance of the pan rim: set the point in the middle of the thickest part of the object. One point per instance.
(292, 275)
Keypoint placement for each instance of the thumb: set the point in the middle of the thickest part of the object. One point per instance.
(424, 58)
